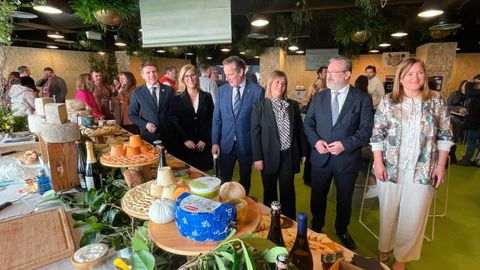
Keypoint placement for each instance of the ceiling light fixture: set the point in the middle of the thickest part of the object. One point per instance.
(189, 53)
(225, 50)
(242, 53)
(458, 49)
(47, 9)
(300, 52)
(257, 33)
(66, 41)
(256, 56)
(101, 53)
(23, 15)
(374, 51)
(282, 38)
(55, 34)
(259, 21)
(430, 9)
(209, 57)
(119, 42)
(293, 48)
(161, 51)
(52, 47)
(384, 44)
(399, 34)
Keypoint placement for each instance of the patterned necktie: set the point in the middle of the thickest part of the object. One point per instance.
(335, 107)
(154, 96)
(236, 101)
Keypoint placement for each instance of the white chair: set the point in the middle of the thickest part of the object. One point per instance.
(360, 217)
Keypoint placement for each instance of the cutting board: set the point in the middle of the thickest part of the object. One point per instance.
(36, 240)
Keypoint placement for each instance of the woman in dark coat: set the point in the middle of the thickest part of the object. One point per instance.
(190, 116)
(278, 142)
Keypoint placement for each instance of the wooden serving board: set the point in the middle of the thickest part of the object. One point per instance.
(35, 240)
(167, 236)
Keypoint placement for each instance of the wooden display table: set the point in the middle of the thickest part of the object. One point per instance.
(167, 236)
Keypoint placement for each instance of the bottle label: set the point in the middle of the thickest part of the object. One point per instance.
(83, 184)
(89, 182)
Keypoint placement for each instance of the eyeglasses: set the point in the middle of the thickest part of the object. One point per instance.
(190, 76)
(335, 72)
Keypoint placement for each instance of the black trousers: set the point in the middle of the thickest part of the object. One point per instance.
(285, 178)
(227, 164)
(345, 185)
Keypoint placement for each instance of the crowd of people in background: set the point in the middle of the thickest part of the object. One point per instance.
(411, 132)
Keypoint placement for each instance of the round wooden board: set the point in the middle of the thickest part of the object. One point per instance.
(143, 191)
(150, 162)
(167, 236)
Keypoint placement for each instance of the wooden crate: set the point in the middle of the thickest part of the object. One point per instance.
(62, 158)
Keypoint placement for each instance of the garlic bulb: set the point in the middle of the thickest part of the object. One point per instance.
(162, 211)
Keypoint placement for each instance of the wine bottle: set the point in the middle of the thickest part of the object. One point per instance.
(93, 178)
(300, 254)
(275, 232)
(163, 155)
(282, 262)
(81, 165)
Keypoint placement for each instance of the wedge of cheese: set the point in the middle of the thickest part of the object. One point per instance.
(56, 113)
(40, 103)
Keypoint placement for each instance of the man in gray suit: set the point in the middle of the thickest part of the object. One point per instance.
(338, 123)
(52, 85)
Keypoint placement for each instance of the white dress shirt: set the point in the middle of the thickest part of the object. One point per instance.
(151, 90)
(342, 95)
(242, 89)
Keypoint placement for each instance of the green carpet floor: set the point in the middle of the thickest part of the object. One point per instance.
(456, 243)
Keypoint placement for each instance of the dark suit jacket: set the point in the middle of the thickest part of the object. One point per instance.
(353, 128)
(142, 110)
(265, 138)
(225, 126)
(188, 125)
(57, 88)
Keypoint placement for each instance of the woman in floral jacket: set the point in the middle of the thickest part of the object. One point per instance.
(410, 141)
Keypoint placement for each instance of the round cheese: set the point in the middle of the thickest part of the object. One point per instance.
(35, 123)
(165, 176)
(60, 133)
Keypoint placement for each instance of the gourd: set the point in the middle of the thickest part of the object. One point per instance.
(231, 191)
(162, 211)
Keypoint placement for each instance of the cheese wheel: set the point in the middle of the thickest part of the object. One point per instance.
(132, 151)
(117, 150)
(56, 113)
(35, 123)
(136, 141)
(165, 176)
(40, 103)
(60, 133)
(74, 105)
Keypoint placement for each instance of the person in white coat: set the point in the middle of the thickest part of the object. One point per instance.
(22, 99)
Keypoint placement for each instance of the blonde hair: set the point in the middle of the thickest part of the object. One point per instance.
(402, 70)
(181, 87)
(84, 81)
(276, 74)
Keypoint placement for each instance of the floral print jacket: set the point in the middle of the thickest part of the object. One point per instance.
(435, 130)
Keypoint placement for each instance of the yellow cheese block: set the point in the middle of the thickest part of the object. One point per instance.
(56, 113)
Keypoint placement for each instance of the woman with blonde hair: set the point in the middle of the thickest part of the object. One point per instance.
(190, 116)
(84, 93)
(278, 142)
(410, 143)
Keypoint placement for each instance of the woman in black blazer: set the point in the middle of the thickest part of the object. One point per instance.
(190, 117)
(278, 142)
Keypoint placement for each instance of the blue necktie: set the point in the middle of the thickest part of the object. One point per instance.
(236, 101)
(154, 95)
(335, 107)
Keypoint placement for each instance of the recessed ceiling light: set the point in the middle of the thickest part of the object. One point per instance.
(430, 13)
(257, 35)
(293, 48)
(120, 43)
(256, 56)
(55, 34)
(374, 51)
(52, 47)
(244, 52)
(282, 38)
(189, 53)
(300, 52)
(209, 57)
(101, 53)
(140, 30)
(47, 9)
(136, 53)
(23, 15)
(399, 34)
(161, 51)
(64, 41)
(384, 44)
(225, 49)
(259, 21)
(458, 49)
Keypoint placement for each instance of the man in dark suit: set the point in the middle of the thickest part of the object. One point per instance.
(338, 123)
(52, 85)
(149, 106)
(231, 121)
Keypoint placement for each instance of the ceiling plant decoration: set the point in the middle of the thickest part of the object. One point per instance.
(301, 16)
(104, 13)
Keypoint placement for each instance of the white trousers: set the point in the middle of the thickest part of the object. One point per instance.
(404, 210)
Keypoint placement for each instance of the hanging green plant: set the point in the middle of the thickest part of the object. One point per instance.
(114, 11)
(301, 16)
(369, 7)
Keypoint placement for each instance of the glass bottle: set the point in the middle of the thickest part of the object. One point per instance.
(282, 262)
(81, 165)
(93, 177)
(275, 231)
(300, 254)
(163, 156)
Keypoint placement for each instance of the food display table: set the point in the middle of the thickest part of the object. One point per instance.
(167, 236)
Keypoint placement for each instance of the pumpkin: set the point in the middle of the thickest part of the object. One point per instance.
(162, 211)
(179, 191)
(232, 190)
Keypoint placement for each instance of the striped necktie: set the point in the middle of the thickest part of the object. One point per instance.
(335, 107)
(236, 101)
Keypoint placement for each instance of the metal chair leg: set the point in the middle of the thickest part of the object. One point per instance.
(363, 202)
